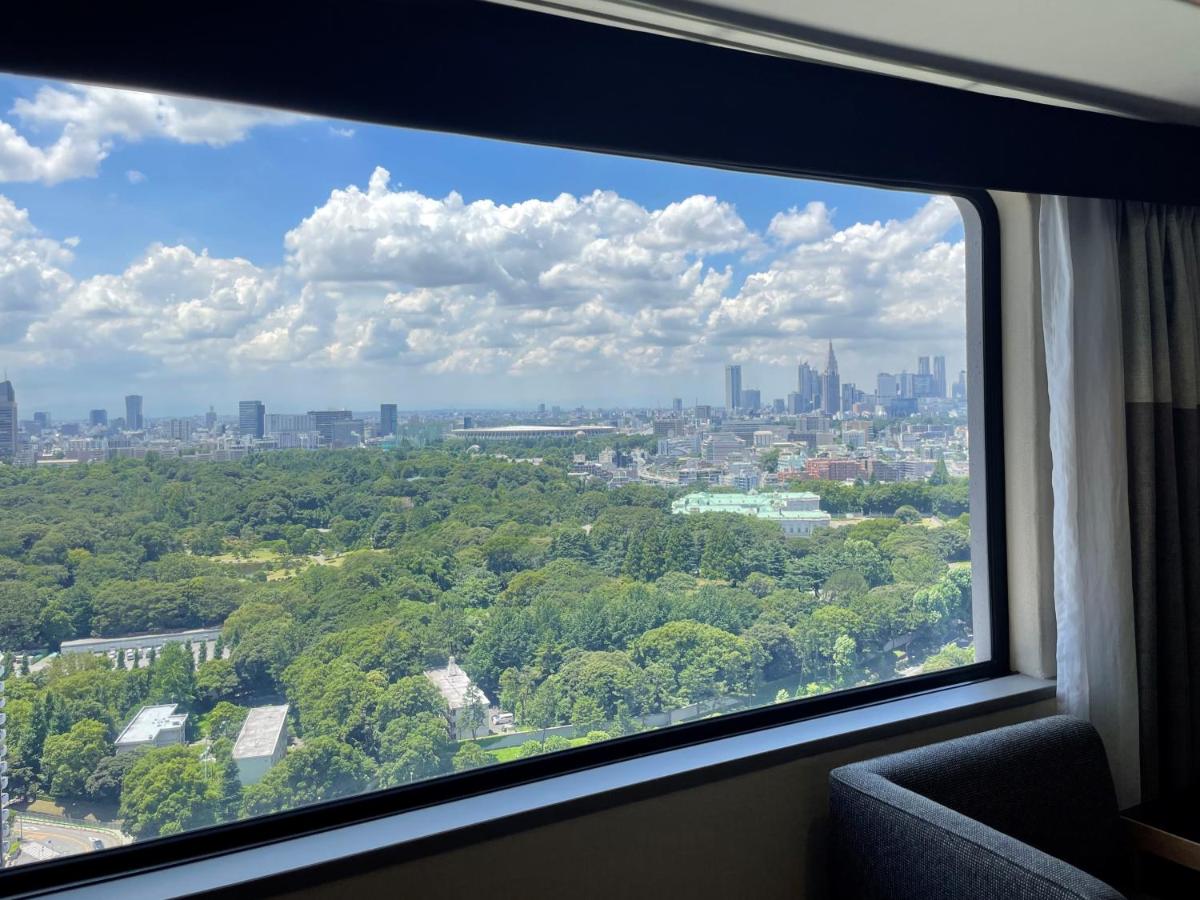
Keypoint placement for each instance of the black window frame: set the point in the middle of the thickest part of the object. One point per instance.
(219, 839)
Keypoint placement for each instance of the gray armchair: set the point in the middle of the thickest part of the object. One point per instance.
(1025, 812)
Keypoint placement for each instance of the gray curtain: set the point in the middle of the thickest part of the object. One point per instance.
(1159, 264)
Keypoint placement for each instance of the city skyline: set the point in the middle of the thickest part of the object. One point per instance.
(460, 271)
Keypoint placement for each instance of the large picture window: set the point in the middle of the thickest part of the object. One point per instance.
(337, 458)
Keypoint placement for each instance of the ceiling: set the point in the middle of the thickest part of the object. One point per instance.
(1132, 57)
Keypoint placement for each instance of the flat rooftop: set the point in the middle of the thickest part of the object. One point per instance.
(533, 430)
(260, 732)
(149, 721)
(454, 683)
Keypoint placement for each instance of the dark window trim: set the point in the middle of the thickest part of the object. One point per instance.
(217, 840)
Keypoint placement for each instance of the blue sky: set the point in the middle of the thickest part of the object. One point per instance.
(182, 175)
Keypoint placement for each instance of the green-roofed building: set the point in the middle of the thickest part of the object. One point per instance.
(798, 513)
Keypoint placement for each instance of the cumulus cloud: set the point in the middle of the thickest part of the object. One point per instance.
(383, 279)
(84, 123)
(135, 177)
(797, 225)
(341, 132)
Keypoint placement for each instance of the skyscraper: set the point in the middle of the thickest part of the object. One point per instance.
(733, 387)
(677, 404)
(388, 420)
(831, 386)
(133, 413)
(98, 418)
(252, 418)
(923, 365)
(886, 387)
(8, 422)
(808, 384)
(939, 376)
(210, 419)
(751, 398)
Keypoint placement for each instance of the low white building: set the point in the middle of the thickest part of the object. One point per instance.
(460, 692)
(153, 726)
(261, 743)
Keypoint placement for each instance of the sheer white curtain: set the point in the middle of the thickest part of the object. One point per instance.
(1093, 587)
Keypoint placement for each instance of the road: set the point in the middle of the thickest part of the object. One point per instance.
(46, 841)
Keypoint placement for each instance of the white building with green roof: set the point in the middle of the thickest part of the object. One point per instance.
(798, 513)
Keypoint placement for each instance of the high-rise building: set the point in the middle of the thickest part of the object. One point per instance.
(8, 422)
(886, 388)
(808, 383)
(98, 418)
(939, 376)
(323, 420)
(133, 413)
(733, 387)
(677, 404)
(923, 365)
(751, 398)
(960, 386)
(210, 419)
(388, 419)
(831, 385)
(252, 418)
(290, 423)
(796, 403)
(41, 421)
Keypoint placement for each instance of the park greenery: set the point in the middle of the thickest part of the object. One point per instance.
(339, 577)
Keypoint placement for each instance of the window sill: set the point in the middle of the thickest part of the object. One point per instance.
(568, 794)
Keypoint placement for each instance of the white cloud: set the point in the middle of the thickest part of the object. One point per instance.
(135, 177)
(796, 226)
(341, 132)
(87, 121)
(573, 289)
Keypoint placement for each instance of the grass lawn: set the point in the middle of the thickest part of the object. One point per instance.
(508, 754)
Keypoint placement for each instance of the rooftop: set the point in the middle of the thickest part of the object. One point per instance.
(149, 721)
(535, 429)
(771, 505)
(260, 732)
(454, 684)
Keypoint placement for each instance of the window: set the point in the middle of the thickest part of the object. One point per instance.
(339, 459)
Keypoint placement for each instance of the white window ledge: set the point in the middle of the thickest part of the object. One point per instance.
(768, 746)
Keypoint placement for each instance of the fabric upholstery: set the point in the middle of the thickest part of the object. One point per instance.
(1023, 812)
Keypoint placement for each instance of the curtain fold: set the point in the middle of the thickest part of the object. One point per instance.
(1159, 263)
(1093, 584)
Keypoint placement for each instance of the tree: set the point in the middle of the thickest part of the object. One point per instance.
(104, 784)
(474, 714)
(471, 756)
(166, 792)
(172, 676)
(699, 662)
(324, 768)
(225, 720)
(908, 515)
(70, 758)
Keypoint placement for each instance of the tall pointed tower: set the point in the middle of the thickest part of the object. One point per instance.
(831, 385)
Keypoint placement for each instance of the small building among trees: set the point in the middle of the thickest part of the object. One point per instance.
(261, 743)
(153, 726)
(468, 705)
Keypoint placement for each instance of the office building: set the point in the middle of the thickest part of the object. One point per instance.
(887, 388)
(210, 419)
(677, 404)
(261, 743)
(960, 386)
(41, 421)
(388, 419)
(8, 422)
(98, 418)
(831, 386)
(252, 418)
(795, 403)
(133, 413)
(808, 385)
(733, 387)
(923, 365)
(751, 398)
(347, 433)
(290, 423)
(153, 726)
(323, 420)
(939, 376)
